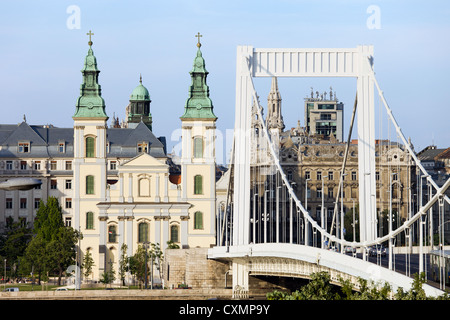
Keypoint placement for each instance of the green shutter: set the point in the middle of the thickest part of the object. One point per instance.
(198, 148)
(198, 220)
(90, 147)
(89, 184)
(174, 233)
(198, 184)
(143, 232)
(90, 220)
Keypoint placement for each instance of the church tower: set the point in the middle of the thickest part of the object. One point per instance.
(89, 163)
(198, 165)
(139, 108)
(274, 120)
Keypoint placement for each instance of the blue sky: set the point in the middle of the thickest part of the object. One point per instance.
(41, 57)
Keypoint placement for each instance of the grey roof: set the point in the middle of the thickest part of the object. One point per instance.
(44, 141)
(429, 153)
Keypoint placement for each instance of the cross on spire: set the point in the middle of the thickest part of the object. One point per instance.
(198, 35)
(90, 34)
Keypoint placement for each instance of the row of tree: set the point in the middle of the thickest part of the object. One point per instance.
(49, 248)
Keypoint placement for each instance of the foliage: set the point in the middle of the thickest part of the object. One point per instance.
(138, 261)
(53, 247)
(172, 245)
(123, 263)
(320, 288)
(88, 263)
(14, 242)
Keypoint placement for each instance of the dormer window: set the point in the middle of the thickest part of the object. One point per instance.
(61, 147)
(24, 147)
(142, 147)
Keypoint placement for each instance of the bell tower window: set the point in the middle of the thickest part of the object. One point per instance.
(90, 147)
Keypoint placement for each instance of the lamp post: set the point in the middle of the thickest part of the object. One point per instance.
(306, 208)
(421, 223)
(322, 215)
(146, 272)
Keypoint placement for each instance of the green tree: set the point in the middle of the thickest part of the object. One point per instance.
(14, 243)
(88, 264)
(137, 263)
(54, 241)
(123, 263)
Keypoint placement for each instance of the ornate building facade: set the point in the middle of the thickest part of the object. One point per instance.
(117, 185)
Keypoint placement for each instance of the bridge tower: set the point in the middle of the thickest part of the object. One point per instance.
(254, 62)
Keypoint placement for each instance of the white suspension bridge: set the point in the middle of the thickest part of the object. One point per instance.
(277, 235)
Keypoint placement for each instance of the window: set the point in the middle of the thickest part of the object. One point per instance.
(68, 222)
(61, 147)
(9, 203)
(198, 184)
(143, 232)
(68, 184)
(198, 220)
(377, 176)
(24, 147)
(353, 175)
(319, 175)
(307, 175)
(319, 192)
(330, 193)
(90, 147)
(112, 234)
(37, 165)
(23, 165)
(53, 165)
(23, 203)
(198, 147)
(330, 175)
(68, 203)
(37, 201)
(90, 220)
(9, 165)
(113, 165)
(174, 234)
(68, 165)
(142, 147)
(89, 184)
(53, 184)
(290, 176)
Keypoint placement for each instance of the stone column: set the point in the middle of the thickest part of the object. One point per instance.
(184, 231)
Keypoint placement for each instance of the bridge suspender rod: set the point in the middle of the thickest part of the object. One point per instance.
(400, 133)
(347, 146)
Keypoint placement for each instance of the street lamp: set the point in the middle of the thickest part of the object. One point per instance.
(146, 272)
(322, 216)
(306, 208)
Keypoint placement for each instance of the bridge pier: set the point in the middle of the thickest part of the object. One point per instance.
(240, 278)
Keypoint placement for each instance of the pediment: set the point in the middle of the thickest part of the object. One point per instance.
(144, 160)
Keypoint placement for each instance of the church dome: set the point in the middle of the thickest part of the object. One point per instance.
(140, 93)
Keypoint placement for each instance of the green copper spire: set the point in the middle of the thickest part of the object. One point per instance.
(198, 105)
(90, 103)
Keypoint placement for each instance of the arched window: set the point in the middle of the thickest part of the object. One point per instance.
(174, 234)
(198, 147)
(198, 184)
(90, 220)
(143, 232)
(112, 234)
(89, 184)
(198, 220)
(90, 147)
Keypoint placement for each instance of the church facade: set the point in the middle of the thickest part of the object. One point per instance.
(117, 184)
